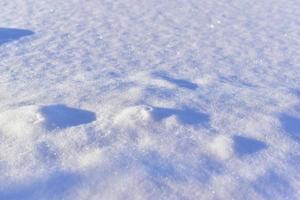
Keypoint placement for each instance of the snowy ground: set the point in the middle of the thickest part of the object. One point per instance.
(149, 99)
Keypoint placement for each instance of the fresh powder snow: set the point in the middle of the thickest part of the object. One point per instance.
(149, 99)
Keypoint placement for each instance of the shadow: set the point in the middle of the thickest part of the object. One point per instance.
(297, 92)
(244, 146)
(10, 34)
(186, 116)
(159, 92)
(179, 82)
(61, 116)
(157, 167)
(272, 185)
(55, 187)
(46, 154)
(206, 169)
(291, 125)
(235, 80)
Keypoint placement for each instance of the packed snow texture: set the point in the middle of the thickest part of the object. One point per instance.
(149, 99)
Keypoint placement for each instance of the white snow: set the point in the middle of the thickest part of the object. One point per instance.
(149, 99)
(222, 147)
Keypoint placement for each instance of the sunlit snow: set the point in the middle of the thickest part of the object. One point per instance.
(149, 99)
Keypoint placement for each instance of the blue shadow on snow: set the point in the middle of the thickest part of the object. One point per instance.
(186, 116)
(291, 125)
(235, 80)
(157, 167)
(245, 146)
(273, 185)
(205, 169)
(61, 116)
(11, 34)
(179, 82)
(52, 188)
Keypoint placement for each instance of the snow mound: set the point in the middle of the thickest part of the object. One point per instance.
(30, 120)
(21, 122)
(139, 114)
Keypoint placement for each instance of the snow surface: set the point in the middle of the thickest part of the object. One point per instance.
(149, 99)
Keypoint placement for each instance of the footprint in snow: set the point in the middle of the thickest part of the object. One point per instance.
(141, 114)
(223, 147)
(61, 116)
(291, 125)
(28, 120)
(245, 146)
(178, 82)
(11, 34)
(186, 116)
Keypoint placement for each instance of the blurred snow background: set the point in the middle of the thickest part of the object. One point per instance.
(149, 99)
